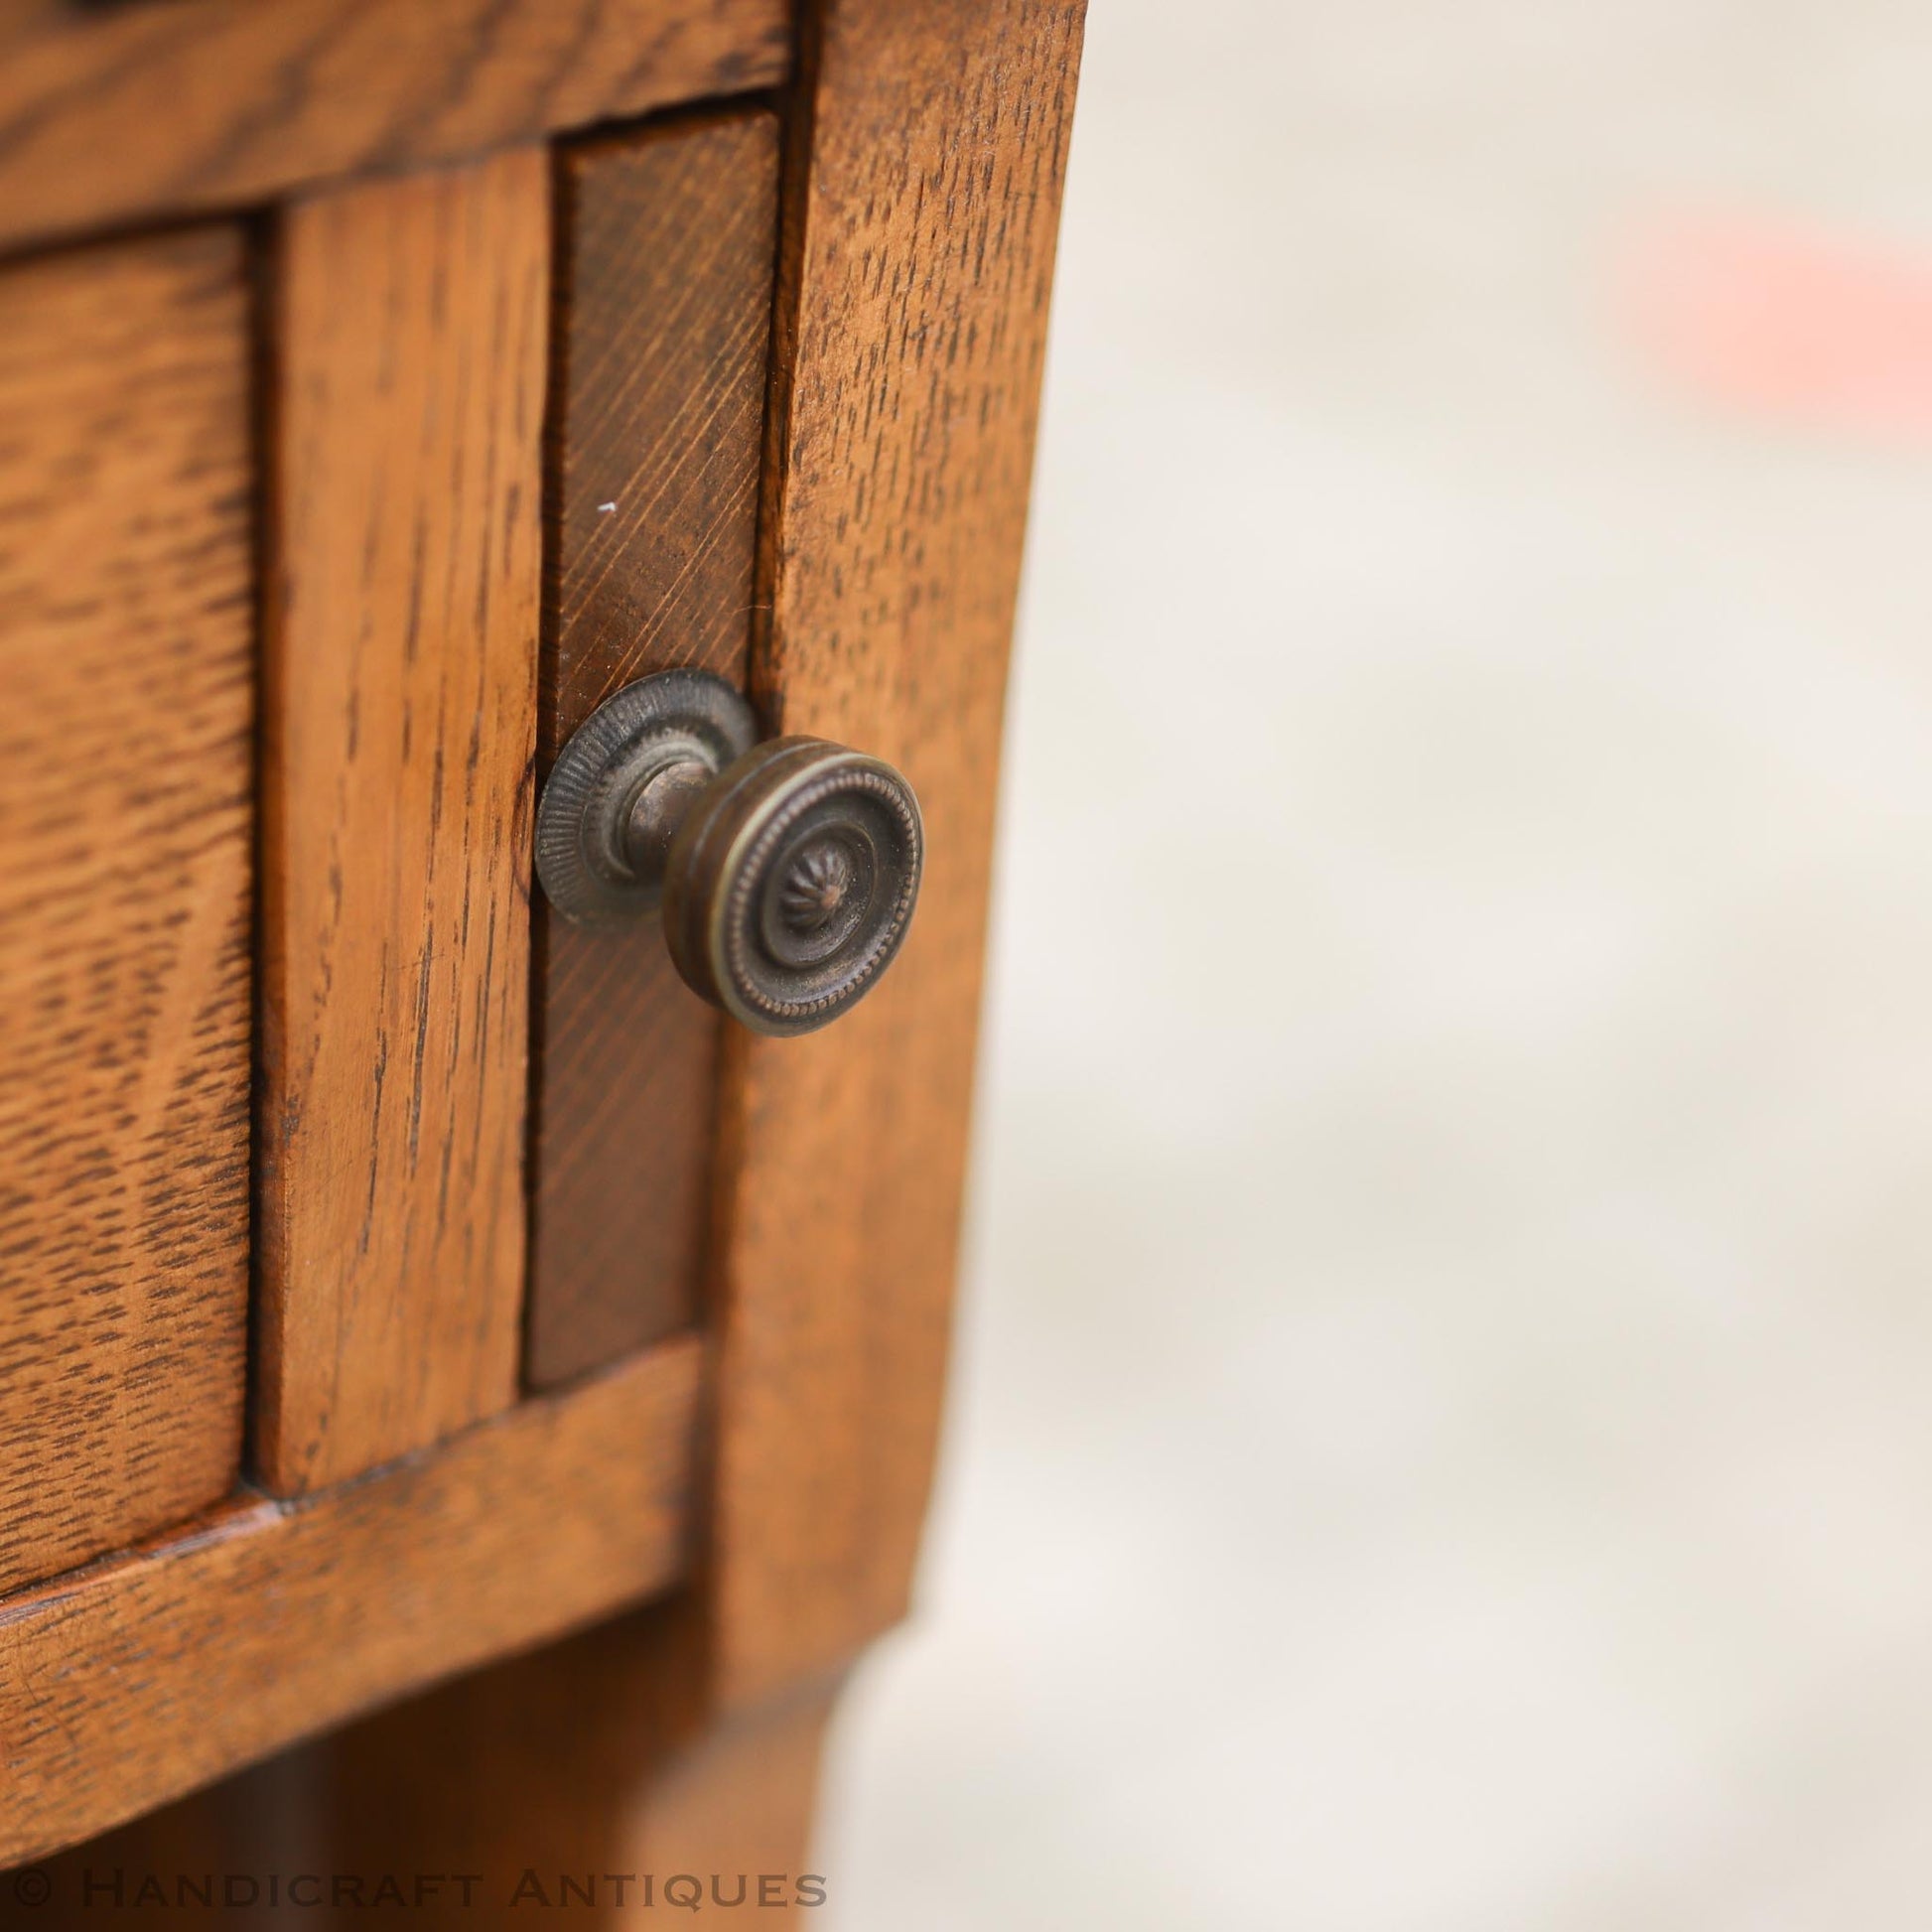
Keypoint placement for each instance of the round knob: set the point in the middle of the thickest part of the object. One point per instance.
(786, 872)
(791, 882)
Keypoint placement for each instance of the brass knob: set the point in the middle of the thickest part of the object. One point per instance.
(785, 872)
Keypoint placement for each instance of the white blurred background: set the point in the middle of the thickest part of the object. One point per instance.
(1443, 1430)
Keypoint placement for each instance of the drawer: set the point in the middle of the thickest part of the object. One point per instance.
(402, 1267)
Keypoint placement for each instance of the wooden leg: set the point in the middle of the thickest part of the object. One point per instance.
(737, 1801)
(574, 1779)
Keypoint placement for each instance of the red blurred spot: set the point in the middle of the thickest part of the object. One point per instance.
(1803, 328)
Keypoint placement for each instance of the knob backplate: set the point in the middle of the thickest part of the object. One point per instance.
(662, 735)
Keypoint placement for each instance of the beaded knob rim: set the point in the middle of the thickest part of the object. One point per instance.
(795, 805)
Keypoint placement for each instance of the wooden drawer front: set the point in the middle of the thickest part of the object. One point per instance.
(319, 532)
(668, 242)
(125, 759)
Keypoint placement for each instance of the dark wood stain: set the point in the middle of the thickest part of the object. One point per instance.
(668, 249)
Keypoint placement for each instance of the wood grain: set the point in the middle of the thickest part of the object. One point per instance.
(132, 1682)
(405, 564)
(109, 113)
(125, 647)
(917, 262)
(668, 247)
(921, 199)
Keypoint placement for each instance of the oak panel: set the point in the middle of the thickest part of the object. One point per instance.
(112, 112)
(125, 659)
(132, 1682)
(913, 289)
(668, 249)
(404, 575)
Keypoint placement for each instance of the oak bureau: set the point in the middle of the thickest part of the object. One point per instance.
(510, 514)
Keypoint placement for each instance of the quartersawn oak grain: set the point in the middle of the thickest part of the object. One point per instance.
(911, 321)
(922, 203)
(136, 1680)
(668, 247)
(404, 559)
(109, 113)
(125, 647)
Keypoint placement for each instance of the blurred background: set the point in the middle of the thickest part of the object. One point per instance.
(1441, 1434)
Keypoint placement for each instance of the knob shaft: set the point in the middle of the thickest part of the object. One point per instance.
(786, 872)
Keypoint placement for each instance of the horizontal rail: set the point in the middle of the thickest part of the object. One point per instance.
(110, 115)
(143, 1676)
